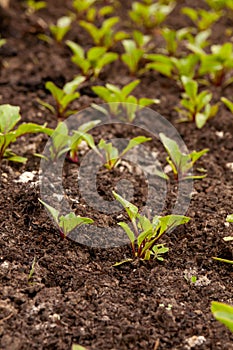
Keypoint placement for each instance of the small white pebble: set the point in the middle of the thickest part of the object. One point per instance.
(229, 166)
(195, 341)
(220, 134)
(26, 177)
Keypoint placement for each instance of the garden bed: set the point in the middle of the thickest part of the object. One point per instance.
(75, 295)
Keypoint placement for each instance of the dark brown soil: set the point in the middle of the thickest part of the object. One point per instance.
(75, 295)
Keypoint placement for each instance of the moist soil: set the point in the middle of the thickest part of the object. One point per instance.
(75, 295)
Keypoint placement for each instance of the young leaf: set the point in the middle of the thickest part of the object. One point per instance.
(9, 117)
(130, 208)
(223, 313)
(54, 212)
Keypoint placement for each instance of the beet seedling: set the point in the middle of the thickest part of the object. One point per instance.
(150, 16)
(173, 67)
(181, 163)
(61, 28)
(201, 18)
(82, 7)
(63, 97)
(134, 50)
(62, 142)
(34, 5)
(127, 104)
(144, 233)
(92, 62)
(197, 107)
(104, 36)
(223, 313)
(173, 38)
(9, 117)
(67, 223)
(218, 64)
(112, 155)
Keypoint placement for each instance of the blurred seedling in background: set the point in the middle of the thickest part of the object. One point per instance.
(135, 49)
(180, 163)
(144, 233)
(173, 67)
(151, 15)
(196, 106)
(218, 64)
(121, 103)
(63, 97)
(203, 19)
(61, 28)
(34, 6)
(104, 36)
(93, 61)
(66, 223)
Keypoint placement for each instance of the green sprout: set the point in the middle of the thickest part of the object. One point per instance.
(61, 28)
(92, 62)
(223, 313)
(150, 16)
(201, 18)
(32, 271)
(78, 347)
(126, 104)
(82, 7)
(217, 64)
(63, 143)
(144, 233)
(63, 97)
(33, 6)
(134, 50)
(173, 38)
(173, 67)
(94, 14)
(196, 106)
(105, 35)
(9, 117)
(220, 4)
(181, 163)
(227, 103)
(67, 223)
(112, 155)
(226, 239)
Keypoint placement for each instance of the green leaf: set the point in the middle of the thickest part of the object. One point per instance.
(76, 49)
(170, 221)
(228, 103)
(76, 346)
(96, 53)
(54, 212)
(71, 86)
(229, 218)
(128, 231)
(70, 221)
(191, 87)
(201, 119)
(135, 142)
(223, 313)
(55, 91)
(127, 89)
(130, 208)
(9, 117)
(31, 128)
